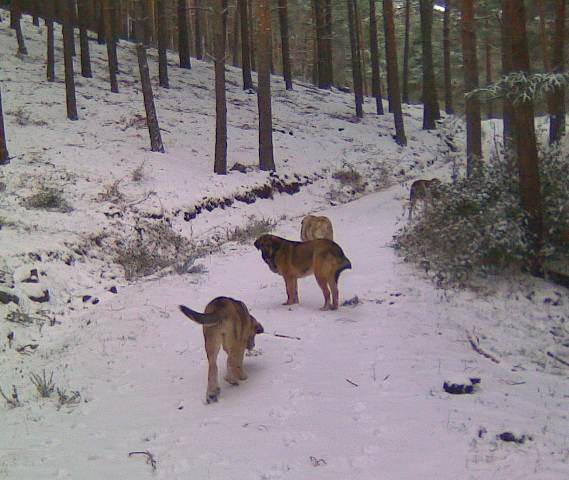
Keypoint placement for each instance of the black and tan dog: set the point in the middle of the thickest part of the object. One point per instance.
(293, 260)
(228, 323)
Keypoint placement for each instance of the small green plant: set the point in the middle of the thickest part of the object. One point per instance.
(48, 198)
(254, 228)
(44, 386)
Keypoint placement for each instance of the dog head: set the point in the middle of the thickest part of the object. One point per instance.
(268, 245)
(256, 329)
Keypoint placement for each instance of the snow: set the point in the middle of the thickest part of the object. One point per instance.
(357, 396)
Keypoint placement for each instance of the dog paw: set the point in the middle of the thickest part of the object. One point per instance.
(243, 376)
(212, 398)
(231, 380)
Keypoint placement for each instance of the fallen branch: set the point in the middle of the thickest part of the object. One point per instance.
(15, 400)
(476, 347)
(560, 360)
(149, 458)
(351, 383)
(285, 336)
(24, 348)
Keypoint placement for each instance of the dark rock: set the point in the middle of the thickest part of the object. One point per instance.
(461, 388)
(6, 298)
(33, 278)
(43, 299)
(510, 437)
(113, 289)
(86, 298)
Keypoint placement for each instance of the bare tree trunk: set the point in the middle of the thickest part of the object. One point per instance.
(149, 22)
(4, 155)
(356, 60)
(162, 15)
(507, 107)
(220, 162)
(406, 48)
(488, 52)
(50, 65)
(361, 49)
(101, 35)
(393, 72)
(473, 120)
(543, 36)
(557, 97)
(266, 159)
(374, 52)
(198, 30)
(70, 98)
(35, 13)
(151, 117)
(324, 63)
(252, 35)
(111, 45)
(526, 147)
(84, 15)
(235, 45)
(183, 35)
(430, 102)
(15, 17)
(446, 60)
(283, 22)
(245, 46)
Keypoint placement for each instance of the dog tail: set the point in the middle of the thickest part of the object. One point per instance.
(206, 319)
(345, 266)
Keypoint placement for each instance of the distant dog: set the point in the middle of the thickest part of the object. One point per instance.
(313, 227)
(293, 260)
(226, 322)
(423, 190)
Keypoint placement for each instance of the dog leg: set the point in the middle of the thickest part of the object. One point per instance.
(233, 368)
(212, 350)
(290, 283)
(335, 294)
(323, 284)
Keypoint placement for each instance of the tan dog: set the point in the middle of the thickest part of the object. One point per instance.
(313, 227)
(293, 260)
(226, 322)
(423, 190)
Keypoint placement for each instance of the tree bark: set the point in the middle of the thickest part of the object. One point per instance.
(473, 120)
(406, 50)
(557, 97)
(488, 55)
(374, 52)
(393, 72)
(198, 30)
(356, 60)
(322, 42)
(220, 162)
(252, 45)
(283, 22)
(449, 109)
(507, 107)
(84, 15)
(156, 144)
(107, 13)
(430, 102)
(183, 35)
(50, 65)
(266, 159)
(245, 46)
(15, 17)
(162, 15)
(235, 45)
(70, 98)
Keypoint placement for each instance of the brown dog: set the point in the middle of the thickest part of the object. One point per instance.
(313, 227)
(226, 322)
(293, 260)
(423, 190)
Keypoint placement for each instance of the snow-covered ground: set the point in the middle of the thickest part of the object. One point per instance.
(355, 394)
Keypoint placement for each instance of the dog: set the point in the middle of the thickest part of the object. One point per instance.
(423, 190)
(293, 260)
(313, 227)
(228, 323)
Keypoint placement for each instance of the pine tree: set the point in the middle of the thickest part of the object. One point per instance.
(183, 35)
(431, 105)
(283, 22)
(374, 53)
(220, 162)
(356, 59)
(161, 9)
(84, 15)
(70, 97)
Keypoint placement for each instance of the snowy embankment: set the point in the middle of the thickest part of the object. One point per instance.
(358, 394)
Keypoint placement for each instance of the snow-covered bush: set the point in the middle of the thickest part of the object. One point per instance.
(477, 225)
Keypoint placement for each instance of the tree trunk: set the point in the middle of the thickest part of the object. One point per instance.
(220, 162)
(183, 35)
(374, 52)
(322, 43)
(35, 13)
(70, 97)
(84, 15)
(101, 35)
(111, 45)
(406, 49)
(543, 37)
(283, 22)
(149, 22)
(4, 155)
(488, 54)
(235, 45)
(507, 107)
(430, 102)
(356, 60)
(361, 48)
(266, 159)
(446, 60)
(393, 72)
(161, 12)
(252, 45)
(473, 125)
(557, 97)
(526, 147)
(50, 65)
(15, 17)
(198, 30)
(245, 46)
(151, 117)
